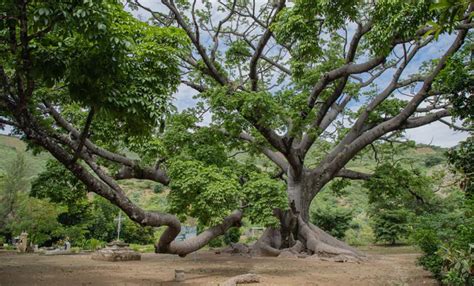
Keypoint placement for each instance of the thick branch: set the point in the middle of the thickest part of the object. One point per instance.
(261, 45)
(138, 172)
(84, 134)
(354, 175)
(276, 157)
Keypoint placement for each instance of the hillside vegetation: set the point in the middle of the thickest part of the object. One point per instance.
(353, 205)
(10, 145)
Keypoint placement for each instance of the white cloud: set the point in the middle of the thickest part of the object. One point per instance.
(437, 134)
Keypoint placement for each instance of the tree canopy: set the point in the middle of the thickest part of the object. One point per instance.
(92, 85)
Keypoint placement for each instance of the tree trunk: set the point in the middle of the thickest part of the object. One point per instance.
(296, 233)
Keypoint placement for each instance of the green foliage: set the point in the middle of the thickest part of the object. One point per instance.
(396, 19)
(102, 225)
(387, 109)
(218, 191)
(149, 248)
(37, 217)
(15, 184)
(97, 55)
(135, 233)
(301, 24)
(9, 146)
(214, 191)
(458, 265)
(15, 181)
(456, 81)
(60, 186)
(332, 218)
(391, 225)
(237, 53)
(396, 194)
(462, 159)
(216, 242)
(81, 218)
(158, 189)
(434, 160)
(446, 236)
(262, 195)
(450, 12)
(232, 235)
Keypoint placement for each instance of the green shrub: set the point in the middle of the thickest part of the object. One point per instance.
(446, 240)
(391, 225)
(333, 219)
(457, 265)
(329, 215)
(433, 160)
(158, 189)
(360, 233)
(216, 242)
(93, 244)
(232, 235)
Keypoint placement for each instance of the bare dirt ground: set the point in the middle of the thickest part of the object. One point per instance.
(385, 266)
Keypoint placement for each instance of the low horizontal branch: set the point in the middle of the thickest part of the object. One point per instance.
(354, 175)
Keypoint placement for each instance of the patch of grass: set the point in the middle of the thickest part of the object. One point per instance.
(148, 248)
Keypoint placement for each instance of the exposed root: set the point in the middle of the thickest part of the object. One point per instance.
(330, 240)
(242, 279)
(310, 240)
(268, 244)
(322, 244)
(238, 248)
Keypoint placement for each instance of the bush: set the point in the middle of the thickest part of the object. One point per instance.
(360, 233)
(433, 160)
(232, 235)
(446, 240)
(390, 225)
(93, 244)
(457, 265)
(216, 242)
(333, 219)
(158, 189)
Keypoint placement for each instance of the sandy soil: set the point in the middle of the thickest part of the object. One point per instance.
(384, 267)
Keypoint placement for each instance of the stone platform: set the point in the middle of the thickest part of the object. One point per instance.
(116, 251)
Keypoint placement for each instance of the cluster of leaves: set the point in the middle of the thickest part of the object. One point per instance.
(332, 218)
(396, 195)
(96, 54)
(446, 237)
(397, 19)
(199, 166)
(462, 159)
(450, 12)
(218, 191)
(304, 23)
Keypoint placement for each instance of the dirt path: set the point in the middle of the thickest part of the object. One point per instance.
(206, 268)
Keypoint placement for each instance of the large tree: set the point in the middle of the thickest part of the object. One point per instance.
(322, 77)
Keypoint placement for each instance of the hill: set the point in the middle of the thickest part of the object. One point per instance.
(9, 146)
